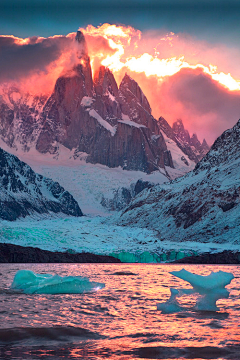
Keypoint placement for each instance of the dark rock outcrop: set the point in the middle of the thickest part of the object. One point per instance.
(23, 192)
(10, 253)
(123, 196)
(224, 257)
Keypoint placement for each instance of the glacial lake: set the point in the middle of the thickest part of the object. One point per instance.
(119, 322)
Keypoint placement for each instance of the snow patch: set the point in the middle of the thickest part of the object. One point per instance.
(87, 101)
(111, 97)
(102, 122)
(132, 123)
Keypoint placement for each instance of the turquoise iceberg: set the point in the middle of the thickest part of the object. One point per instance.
(31, 283)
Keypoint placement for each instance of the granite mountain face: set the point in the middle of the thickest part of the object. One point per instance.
(112, 125)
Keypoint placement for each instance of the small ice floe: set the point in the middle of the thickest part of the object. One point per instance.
(210, 289)
(30, 283)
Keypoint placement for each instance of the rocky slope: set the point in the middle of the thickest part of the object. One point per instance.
(10, 253)
(113, 126)
(203, 205)
(23, 192)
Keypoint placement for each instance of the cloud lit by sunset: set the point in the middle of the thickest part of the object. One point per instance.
(172, 69)
(124, 40)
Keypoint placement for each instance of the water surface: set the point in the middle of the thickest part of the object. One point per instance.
(120, 321)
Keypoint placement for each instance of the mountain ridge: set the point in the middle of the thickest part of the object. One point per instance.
(113, 126)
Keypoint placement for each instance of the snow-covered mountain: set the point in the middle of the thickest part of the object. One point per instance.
(202, 206)
(112, 125)
(23, 192)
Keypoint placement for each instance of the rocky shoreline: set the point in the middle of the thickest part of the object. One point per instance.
(224, 257)
(10, 253)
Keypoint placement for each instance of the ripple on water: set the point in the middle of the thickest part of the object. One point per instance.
(120, 321)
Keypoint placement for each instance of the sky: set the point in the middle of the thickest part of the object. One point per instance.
(190, 31)
(207, 19)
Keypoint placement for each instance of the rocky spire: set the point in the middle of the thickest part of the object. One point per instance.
(180, 132)
(130, 88)
(205, 147)
(82, 50)
(105, 82)
(195, 142)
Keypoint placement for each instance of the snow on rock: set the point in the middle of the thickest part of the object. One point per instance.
(102, 122)
(202, 206)
(131, 123)
(87, 101)
(181, 162)
(111, 96)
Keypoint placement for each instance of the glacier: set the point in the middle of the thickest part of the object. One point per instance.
(210, 288)
(31, 283)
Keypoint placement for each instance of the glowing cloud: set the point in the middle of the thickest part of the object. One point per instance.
(124, 40)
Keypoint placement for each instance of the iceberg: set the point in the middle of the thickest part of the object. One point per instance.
(31, 283)
(210, 289)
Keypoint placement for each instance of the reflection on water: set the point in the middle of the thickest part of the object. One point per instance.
(120, 321)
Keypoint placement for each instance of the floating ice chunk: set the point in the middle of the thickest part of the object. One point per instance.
(201, 283)
(210, 288)
(31, 283)
(171, 305)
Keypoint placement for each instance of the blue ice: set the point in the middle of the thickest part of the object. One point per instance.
(210, 289)
(32, 283)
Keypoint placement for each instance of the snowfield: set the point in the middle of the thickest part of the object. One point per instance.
(88, 183)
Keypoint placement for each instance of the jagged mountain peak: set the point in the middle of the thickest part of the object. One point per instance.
(194, 137)
(105, 82)
(180, 131)
(114, 126)
(190, 146)
(80, 37)
(130, 88)
(82, 49)
(179, 123)
(205, 144)
(195, 142)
